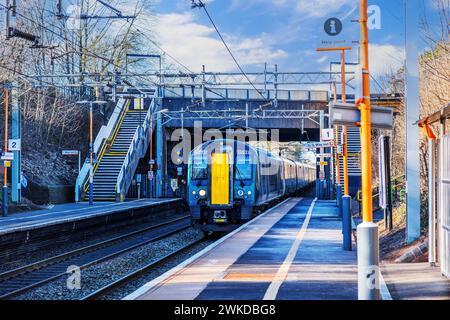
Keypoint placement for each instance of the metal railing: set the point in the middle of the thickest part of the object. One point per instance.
(246, 94)
(397, 193)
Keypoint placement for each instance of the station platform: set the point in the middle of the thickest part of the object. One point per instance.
(415, 281)
(71, 212)
(291, 252)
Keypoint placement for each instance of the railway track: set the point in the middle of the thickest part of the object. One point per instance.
(21, 280)
(109, 288)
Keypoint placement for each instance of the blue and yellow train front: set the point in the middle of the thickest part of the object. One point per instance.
(221, 187)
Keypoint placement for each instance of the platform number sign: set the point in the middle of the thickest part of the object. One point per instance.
(327, 134)
(14, 144)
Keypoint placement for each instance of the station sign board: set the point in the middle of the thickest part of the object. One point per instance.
(70, 152)
(94, 159)
(8, 156)
(347, 114)
(322, 175)
(316, 145)
(323, 155)
(338, 30)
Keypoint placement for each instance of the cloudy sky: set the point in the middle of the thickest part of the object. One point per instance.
(285, 32)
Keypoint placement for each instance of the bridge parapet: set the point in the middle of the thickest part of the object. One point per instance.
(246, 94)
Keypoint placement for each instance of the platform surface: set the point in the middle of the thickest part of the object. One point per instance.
(415, 281)
(292, 252)
(69, 212)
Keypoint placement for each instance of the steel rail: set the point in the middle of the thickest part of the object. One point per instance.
(137, 273)
(59, 259)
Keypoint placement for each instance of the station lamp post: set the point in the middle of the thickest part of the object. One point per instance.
(91, 146)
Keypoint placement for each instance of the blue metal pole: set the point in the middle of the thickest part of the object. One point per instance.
(91, 151)
(346, 223)
(5, 201)
(339, 198)
(5, 169)
(91, 189)
(16, 134)
(159, 155)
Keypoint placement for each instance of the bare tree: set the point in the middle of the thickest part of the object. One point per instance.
(51, 117)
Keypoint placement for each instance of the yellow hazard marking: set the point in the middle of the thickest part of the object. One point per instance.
(220, 179)
(250, 276)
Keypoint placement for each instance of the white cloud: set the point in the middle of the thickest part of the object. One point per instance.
(195, 44)
(322, 59)
(309, 8)
(321, 8)
(385, 58)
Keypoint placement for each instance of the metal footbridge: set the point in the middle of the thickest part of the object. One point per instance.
(117, 149)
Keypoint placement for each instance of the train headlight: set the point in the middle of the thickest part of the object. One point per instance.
(194, 193)
(202, 193)
(249, 193)
(240, 193)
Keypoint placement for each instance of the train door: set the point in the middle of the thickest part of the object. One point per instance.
(220, 179)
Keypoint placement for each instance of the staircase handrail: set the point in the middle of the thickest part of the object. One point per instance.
(102, 136)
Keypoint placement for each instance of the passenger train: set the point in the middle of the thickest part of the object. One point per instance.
(230, 181)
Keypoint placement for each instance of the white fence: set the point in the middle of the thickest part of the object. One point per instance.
(444, 207)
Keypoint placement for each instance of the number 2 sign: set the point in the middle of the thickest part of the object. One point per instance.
(14, 144)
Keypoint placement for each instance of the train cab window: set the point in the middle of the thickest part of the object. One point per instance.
(199, 168)
(199, 172)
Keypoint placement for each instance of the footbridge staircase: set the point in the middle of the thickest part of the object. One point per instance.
(118, 148)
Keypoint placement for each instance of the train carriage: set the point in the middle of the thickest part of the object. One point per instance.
(229, 181)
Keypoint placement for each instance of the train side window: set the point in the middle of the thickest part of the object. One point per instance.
(243, 167)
